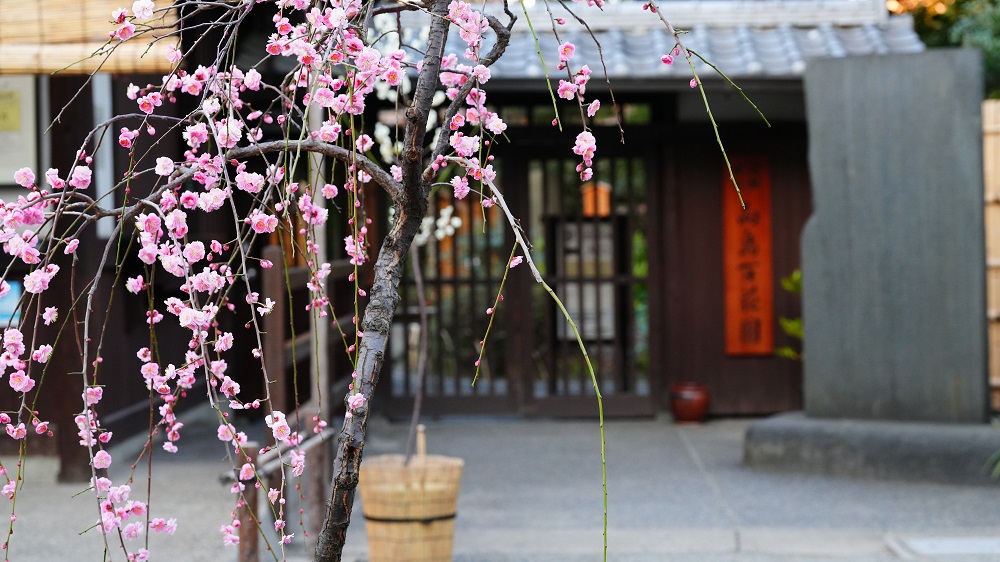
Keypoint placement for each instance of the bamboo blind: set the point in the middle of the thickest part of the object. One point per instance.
(991, 181)
(71, 36)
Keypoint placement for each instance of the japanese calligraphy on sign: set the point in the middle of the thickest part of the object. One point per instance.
(747, 258)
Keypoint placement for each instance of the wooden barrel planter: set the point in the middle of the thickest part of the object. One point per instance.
(410, 509)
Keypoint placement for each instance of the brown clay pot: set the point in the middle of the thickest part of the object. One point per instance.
(689, 402)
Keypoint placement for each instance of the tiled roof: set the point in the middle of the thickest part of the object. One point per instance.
(744, 38)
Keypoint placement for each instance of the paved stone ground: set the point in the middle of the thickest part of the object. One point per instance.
(531, 492)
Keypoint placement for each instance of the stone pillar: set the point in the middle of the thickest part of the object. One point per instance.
(893, 255)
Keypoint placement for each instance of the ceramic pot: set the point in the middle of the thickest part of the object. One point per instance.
(689, 402)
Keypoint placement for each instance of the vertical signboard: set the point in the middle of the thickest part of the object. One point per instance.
(747, 258)
(17, 128)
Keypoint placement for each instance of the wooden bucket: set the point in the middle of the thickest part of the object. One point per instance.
(410, 510)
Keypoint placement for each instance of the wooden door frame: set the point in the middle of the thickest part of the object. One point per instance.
(529, 143)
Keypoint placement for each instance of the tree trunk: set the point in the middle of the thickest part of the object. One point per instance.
(411, 206)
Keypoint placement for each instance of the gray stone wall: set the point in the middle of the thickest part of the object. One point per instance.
(893, 255)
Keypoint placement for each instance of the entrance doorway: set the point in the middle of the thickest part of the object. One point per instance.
(591, 244)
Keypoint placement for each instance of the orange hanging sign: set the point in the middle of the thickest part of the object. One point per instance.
(747, 258)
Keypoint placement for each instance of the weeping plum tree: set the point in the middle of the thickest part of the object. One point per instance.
(250, 149)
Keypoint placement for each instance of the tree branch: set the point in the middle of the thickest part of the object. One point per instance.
(503, 39)
(380, 176)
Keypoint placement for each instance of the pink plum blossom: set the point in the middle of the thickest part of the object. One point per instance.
(24, 177)
(92, 395)
(134, 284)
(228, 132)
(38, 280)
(23, 248)
(21, 382)
(42, 354)
(160, 525)
(173, 54)
(80, 177)
(143, 9)
(126, 137)
(16, 431)
(133, 530)
(262, 222)
(298, 461)
(250, 182)
(224, 342)
(164, 166)
(567, 90)
(229, 535)
(464, 146)
(213, 200)
(356, 249)
(252, 79)
(356, 401)
(566, 51)
(246, 472)
(266, 307)
(585, 146)
(53, 179)
(125, 32)
(102, 459)
(365, 143)
(461, 187)
(194, 252)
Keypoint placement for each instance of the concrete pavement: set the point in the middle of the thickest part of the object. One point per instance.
(531, 491)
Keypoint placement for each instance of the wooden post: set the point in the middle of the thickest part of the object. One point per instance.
(273, 286)
(318, 459)
(991, 182)
(247, 513)
(66, 362)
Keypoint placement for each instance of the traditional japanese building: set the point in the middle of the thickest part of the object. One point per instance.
(668, 278)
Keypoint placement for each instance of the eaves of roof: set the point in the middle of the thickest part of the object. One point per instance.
(760, 39)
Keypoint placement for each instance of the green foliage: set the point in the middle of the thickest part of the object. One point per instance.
(788, 353)
(793, 283)
(791, 326)
(933, 21)
(967, 23)
(979, 26)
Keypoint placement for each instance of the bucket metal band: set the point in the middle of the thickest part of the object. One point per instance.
(424, 520)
